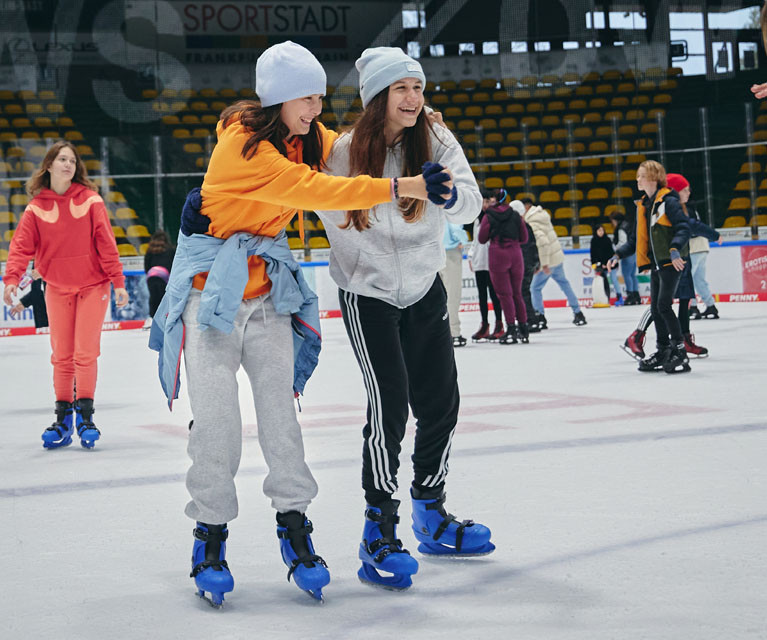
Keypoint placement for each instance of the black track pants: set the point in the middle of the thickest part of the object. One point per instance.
(406, 357)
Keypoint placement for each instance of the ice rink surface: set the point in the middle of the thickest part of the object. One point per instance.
(623, 505)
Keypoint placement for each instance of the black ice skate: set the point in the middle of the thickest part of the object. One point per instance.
(656, 361)
(579, 319)
(677, 361)
(459, 341)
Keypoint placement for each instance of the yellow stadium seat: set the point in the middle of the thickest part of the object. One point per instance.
(761, 220)
(3, 255)
(182, 133)
(295, 243)
(572, 195)
(493, 183)
(137, 231)
(7, 217)
(582, 230)
(539, 181)
(739, 204)
(589, 212)
(549, 196)
(19, 200)
(761, 202)
(73, 136)
(597, 193)
(509, 152)
(126, 250)
(622, 192)
(8, 235)
(584, 178)
(115, 196)
(560, 230)
(488, 123)
(125, 213)
(628, 175)
(93, 165)
(515, 182)
(749, 167)
(563, 213)
(734, 221)
(493, 110)
(190, 119)
(319, 242)
(193, 147)
(118, 231)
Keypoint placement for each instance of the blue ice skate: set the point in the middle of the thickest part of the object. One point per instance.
(209, 569)
(381, 551)
(84, 424)
(308, 570)
(441, 534)
(59, 434)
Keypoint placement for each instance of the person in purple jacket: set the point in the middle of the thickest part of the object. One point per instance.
(502, 226)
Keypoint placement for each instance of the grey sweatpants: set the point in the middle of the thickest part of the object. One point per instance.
(262, 343)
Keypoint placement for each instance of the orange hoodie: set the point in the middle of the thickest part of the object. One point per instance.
(70, 238)
(262, 194)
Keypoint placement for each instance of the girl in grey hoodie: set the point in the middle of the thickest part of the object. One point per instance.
(385, 261)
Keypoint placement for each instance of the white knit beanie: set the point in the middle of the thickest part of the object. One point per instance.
(518, 206)
(287, 71)
(381, 66)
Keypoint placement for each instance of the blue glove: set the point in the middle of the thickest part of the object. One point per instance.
(192, 221)
(435, 187)
(674, 254)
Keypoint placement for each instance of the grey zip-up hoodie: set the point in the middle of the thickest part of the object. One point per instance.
(396, 261)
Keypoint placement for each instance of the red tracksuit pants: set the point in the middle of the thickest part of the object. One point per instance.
(75, 318)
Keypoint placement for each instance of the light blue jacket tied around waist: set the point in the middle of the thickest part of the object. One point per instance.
(226, 262)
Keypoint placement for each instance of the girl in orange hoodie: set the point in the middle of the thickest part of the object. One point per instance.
(66, 230)
(263, 169)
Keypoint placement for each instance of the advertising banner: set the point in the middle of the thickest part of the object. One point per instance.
(754, 261)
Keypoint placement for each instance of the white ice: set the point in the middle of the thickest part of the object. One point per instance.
(623, 505)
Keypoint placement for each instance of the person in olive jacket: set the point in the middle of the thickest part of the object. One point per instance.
(661, 245)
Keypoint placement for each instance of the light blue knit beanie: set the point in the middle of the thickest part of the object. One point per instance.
(287, 71)
(381, 66)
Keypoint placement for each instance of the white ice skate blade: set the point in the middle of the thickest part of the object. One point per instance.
(630, 352)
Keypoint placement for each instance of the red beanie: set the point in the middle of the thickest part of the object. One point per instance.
(676, 181)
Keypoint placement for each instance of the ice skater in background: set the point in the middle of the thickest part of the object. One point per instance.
(702, 234)
(504, 231)
(452, 276)
(65, 229)
(263, 168)
(552, 260)
(158, 261)
(685, 291)
(385, 261)
(601, 251)
(623, 228)
(34, 298)
(478, 263)
(661, 244)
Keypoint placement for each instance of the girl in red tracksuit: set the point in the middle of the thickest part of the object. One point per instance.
(66, 230)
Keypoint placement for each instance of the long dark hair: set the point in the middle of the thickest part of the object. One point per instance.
(41, 179)
(367, 156)
(265, 123)
(159, 242)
